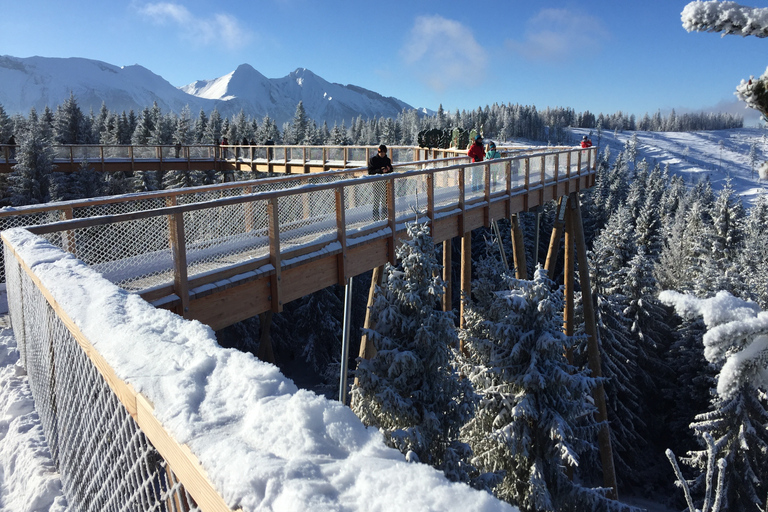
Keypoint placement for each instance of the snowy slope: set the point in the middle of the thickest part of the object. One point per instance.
(717, 155)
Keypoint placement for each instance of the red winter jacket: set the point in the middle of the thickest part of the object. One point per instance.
(586, 143)
(476, 152)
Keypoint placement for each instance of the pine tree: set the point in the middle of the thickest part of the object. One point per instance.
(533, 419)
(736, 342)
(410, 389)
(30, 180)
(69, 123)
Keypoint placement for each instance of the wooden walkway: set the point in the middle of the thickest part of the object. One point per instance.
(224, 260)
(257, 158)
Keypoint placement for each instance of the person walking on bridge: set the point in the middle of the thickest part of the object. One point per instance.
(585, 142)
(492, 153)
(380, 164)
(477, 154)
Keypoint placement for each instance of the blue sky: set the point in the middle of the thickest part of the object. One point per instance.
(601, 56)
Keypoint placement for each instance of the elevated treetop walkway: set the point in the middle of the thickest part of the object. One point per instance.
(261, 158)
(228, 252)
(218, 254)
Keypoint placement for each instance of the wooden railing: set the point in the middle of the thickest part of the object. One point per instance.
(272, 158)
(345, 241)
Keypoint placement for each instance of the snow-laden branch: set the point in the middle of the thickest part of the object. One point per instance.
(725, 17)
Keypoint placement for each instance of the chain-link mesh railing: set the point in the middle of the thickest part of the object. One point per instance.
(136, 251)
(105, 460)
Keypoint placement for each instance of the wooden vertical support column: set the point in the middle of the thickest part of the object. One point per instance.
(518, 248)
(341, 234)
(557, 233)
(568, 282)
(367, 348)
(466, 276)
(593, 349)
(179, 251)
(265, 352)
(274, 255)
(431, 203)
(447, 275)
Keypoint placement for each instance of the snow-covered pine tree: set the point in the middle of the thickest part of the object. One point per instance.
(753, 258)
(30, 179)
(609, 262)
(736, 342)
(533, 418)
(410, 389)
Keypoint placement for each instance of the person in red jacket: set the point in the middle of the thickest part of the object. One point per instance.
(585, 142)
(476, 153)
(476, 150)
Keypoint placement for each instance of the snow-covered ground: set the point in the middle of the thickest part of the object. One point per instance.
(28, 479)
(718, 155)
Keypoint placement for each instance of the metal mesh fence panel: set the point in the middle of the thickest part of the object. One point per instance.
(359, 203)
(517, 173)
(226, 235)
(574, 163)
(410, 196)
(105, 460)
(447, 188)
(550, 166)
(474, 187)
(534, 171)
(498, 177)
(306, 218)
(28, 219)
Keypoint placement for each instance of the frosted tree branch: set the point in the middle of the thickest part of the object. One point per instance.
(725, 17)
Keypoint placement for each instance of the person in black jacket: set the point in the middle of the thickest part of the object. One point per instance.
(380, 164)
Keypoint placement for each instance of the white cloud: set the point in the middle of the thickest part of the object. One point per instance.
(560, 34)
(444, 53)
(214, 29)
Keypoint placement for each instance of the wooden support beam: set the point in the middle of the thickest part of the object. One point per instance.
(367, 348)
(68, 237)
(179, 251)
(554, 241)
(466, 276)
(447, 274)
(593, 349)
(518, 248)
(568, 283)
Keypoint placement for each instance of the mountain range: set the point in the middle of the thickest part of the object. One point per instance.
(44, 81)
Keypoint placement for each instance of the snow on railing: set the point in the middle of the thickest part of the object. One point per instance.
(143, 410)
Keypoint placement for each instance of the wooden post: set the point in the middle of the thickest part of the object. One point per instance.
(447, 274)
(466, 275)
(367, 348)
(568, 282)
(68, 237)
(518, 248)
(265, 341)
(593, 350)
(179, 251)
(554, 241)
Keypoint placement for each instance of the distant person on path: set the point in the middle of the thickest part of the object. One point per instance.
(476, 150)
(12, 149)
(476, 153)
(380, 164)
(585, 142)
(492, 153)
(224, 142)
